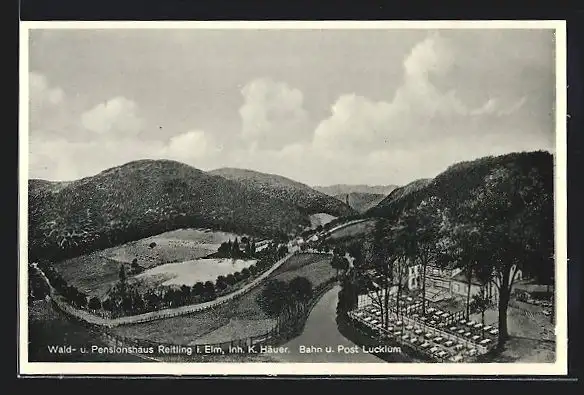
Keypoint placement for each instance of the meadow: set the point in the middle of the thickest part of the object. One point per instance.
(198, 270)
(352, 230)
(97, 272)
(320, 219)
(244, 312)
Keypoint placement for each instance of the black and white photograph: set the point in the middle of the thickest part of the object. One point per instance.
(301, 197)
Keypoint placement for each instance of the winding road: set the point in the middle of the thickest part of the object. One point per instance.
(158, 314)
(321, 331)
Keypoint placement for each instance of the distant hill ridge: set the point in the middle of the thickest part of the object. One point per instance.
(143, 198)
(301, 195)
(456, 184)
(360, 201)
(344, 189)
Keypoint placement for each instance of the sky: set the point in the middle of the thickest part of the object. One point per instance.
(320, 106)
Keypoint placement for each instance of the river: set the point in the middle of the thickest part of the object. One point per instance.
(321, 331)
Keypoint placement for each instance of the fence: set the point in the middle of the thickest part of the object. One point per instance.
(165, 313)
(435, 332)
(152, 350)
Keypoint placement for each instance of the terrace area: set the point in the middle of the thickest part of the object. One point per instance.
(443, 336)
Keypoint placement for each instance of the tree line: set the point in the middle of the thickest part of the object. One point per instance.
(503, 225)
(285, 301)
(246, 248)
(127, 298)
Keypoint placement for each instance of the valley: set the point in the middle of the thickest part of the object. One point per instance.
(230, 271)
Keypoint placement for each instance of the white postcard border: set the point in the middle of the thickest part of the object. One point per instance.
(204, 369)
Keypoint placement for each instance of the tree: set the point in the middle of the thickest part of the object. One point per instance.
(94, 303)
(221, 283)
(466, 250)
(138, 303)
(224, 249)
(122, 280)
(300, 288)
(374, 265)
(480, 303)
(237, 276)
(108, 305)
(235, 251)
(282, 251)
(423, 227)
(135, 266)
(245, 273)
(152, 300)
(185, 291)
(198, 289)
(274, 298)
(209, 290)
(404, 247)
(230, 279)
(513, 213)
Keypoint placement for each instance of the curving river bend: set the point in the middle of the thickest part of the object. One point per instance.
(321, 331)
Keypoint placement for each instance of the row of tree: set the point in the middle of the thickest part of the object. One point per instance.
(504, 225)
(71, 294)
(285, 301)
(126, 298)
(245, 248)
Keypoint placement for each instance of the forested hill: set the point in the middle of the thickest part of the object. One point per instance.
(301, 195)
(488, 217)
(143, 198)
(361, 202)
(460, 182)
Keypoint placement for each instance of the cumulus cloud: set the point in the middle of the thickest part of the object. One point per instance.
(61, 159)
(454, 96)
(419, 112)
(272, 114)
(116, 115)
(192, 145)
(45, 102)
(41, 93)
(113, 127)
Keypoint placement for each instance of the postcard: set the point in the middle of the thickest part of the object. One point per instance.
(306, 198)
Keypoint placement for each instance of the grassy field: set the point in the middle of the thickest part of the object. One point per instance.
(92, 274)
(354, 230)
(199, 270)
(320, 219)
(186, 329)
(174, 246)
(95, 273)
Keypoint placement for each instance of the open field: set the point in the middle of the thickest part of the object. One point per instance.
(174, 246)
(243, 312)
(92, 274)
(97, 272)
(198, 270)
(298, 262)
(351, 230)
(320, 219)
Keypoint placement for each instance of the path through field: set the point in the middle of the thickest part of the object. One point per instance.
(321, 331)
